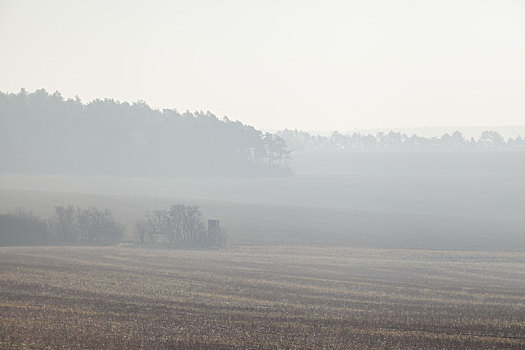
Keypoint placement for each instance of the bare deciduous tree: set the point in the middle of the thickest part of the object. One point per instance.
(180, 224)
(86, 225)
(64, 224)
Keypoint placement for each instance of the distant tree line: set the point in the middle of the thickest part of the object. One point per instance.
(394, 141)
(45, 133)
(179, 226)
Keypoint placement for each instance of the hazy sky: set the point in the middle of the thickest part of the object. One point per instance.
(315, 65)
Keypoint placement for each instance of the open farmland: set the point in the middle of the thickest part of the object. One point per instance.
(473, 211)
(260, 298)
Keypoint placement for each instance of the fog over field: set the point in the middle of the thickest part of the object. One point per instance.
(401, 200)
(272, 175)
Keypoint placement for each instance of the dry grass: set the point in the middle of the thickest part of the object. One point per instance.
(260, 298)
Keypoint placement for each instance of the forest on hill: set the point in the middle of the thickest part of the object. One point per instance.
(45, 133)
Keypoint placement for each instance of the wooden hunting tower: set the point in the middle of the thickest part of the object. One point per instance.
(213, 228)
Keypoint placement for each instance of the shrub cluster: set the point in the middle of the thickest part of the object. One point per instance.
(23, 228)
(85, 225)
(181, 226)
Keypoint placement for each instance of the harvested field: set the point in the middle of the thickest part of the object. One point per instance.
(259, 297)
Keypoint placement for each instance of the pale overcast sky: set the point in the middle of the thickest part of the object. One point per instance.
(314, 65)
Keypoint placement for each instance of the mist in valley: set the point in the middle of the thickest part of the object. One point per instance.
(384, 191)
(286, 175)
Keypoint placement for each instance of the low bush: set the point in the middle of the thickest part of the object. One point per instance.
(23, 228)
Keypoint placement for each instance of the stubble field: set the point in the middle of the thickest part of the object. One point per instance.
(257, 297)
